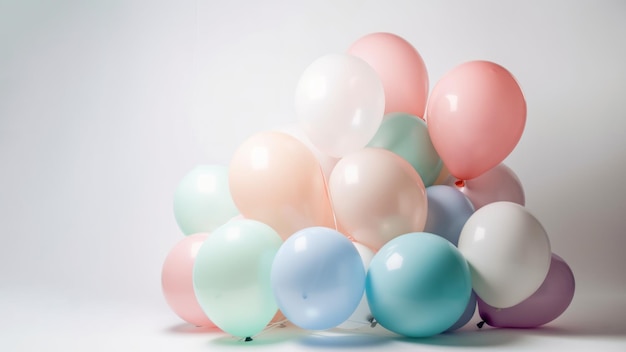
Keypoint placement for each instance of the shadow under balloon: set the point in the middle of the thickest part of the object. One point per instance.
(339, 341)
(273, 336)
(184, 328)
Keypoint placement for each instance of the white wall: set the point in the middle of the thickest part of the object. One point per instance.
(104, 106)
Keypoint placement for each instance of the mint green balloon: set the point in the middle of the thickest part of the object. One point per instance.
(231, 276)
(202, 201)
(407, 136)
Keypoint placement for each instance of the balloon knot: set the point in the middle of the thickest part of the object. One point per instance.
(248, 339)
(480, 325)
(372, 322)
(459, 183)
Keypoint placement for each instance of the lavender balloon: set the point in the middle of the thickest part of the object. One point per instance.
(467, 314)
(448, 210)
(546, 304)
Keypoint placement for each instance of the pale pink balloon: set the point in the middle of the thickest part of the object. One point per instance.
(377, 196)
(275, 179)
(476, 115)
(177, 280)
(497, 184)
(400, 68)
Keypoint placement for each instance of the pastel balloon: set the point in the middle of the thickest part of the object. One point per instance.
(177, 280)
(327, 162)
(547, 303)
(202, 200)
(400, 68)
(340, 102)
(418, 285)
(508, 252)
(377, 195)
(497, 184)
(407, 136)
(443, 176)
(467, 315)
(448, 210)
(476, 115)
(276, 179)
(231, 276)
(362, 315)
(317, 278)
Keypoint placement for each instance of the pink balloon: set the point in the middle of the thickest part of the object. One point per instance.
(177, 280)
(497, 184)
(546, 304)
(476, 115)
(377, 196)
(275, 179)
(400, 68)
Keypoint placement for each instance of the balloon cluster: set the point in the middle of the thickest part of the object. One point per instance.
(382, 205)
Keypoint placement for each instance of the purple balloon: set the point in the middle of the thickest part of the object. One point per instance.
(497, 184)
(546, 304)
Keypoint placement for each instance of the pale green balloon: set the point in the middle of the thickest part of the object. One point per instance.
(231, 276)
(202, 201)
(407, 136)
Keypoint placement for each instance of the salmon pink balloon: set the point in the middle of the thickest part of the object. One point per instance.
(497, 184)
(377, 196)
(177, 280)
(276, 179)
(476, 115)
(400, 68)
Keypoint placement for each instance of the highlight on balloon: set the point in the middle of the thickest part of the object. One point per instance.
(382, 206)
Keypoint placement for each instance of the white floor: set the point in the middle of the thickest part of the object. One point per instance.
(43, 321)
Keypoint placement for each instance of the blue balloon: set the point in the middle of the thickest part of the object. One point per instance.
(448, 211)
(418, 285)
(467, 314)
(318, 278)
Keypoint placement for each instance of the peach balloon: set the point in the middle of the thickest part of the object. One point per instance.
(377, 196)
(497, 184)
(476, 115)
(177, 280)
(400, 68)
(443, 177)
(276, 179)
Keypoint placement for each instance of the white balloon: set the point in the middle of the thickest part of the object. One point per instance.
(508, 251)
(340, 103)
(362, 314)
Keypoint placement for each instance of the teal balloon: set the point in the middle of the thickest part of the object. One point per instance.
(202, 200)
(231, 276)
(418, 285)
(407, 136)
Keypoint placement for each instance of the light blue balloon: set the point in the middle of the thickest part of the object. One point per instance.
(418, 285)
(448, 211)
(407, 136)
(318, 278)
(467, 314)
(202, 201)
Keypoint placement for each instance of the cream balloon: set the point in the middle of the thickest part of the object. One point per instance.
(340, 102)
(508, 251)
(377, 196)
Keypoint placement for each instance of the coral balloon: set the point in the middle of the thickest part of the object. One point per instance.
(275, 179)
(497, 184)
(177, 280)
(546, 304)
(508, 252)
(377, 195)
(476, 115)
(340, 103)
(400, 68)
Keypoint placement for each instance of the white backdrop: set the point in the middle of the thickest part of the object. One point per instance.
(104, 106)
